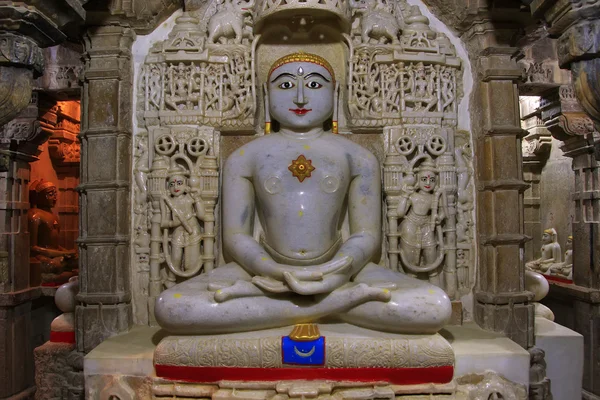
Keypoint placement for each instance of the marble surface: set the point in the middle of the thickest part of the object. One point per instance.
(346, 346)
(564, 358)
(475, 351)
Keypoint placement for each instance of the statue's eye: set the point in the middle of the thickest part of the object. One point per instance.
(286, 85)
(313, 85)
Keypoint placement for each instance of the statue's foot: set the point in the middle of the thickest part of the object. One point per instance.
(362, 293)
(237, 290)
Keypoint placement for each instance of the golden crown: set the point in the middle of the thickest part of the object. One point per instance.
(302, 57)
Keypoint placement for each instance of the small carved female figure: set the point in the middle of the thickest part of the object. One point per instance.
(422, 213)
(181, 210)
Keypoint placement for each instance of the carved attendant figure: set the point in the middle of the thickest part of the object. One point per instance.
(181, 211)
(300, 182)
(56, 263)
(422, 214)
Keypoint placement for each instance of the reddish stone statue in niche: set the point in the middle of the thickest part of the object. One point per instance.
(51, 264)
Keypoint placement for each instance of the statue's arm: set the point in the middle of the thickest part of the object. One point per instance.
(238, 219)
(33, 224)
(364, 212)
(556, 253)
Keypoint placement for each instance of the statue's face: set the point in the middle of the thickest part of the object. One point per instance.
(176, 185)
(50, 196)
(546, 238)
(427, 180)
(300, 95)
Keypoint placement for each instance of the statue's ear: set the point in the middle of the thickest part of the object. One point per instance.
(267, 114)
(336, 101)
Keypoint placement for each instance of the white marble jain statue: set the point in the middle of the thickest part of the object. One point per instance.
(302, 181)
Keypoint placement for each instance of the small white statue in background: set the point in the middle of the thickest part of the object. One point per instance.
(564, 268)
(550, 252)
(181, 211)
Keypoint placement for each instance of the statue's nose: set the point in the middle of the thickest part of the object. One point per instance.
(300, 100)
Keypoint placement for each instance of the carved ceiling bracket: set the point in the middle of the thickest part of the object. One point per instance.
(23, 133)
(576, 23)
(563, 115)
(21, 51)
(537, 144)
(62, 127)
(25, 28)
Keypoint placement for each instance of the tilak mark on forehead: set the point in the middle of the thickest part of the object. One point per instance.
(302, 57)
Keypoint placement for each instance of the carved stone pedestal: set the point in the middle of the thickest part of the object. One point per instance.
(59, 372)
(124, 366)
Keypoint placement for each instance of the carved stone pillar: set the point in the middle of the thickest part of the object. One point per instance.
(536, 149)
(25, 27)
(106, 130)
(576, 24)
(501, 302)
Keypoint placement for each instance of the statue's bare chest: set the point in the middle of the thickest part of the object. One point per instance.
(298, 171)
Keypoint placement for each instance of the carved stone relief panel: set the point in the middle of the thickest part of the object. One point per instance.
(203, 74)
(175, 193)
(401, 71)
(430, 201)
(192, 86)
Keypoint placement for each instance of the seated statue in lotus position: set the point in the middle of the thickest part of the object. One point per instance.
(550, 252)
(56, 264)
(564, 268)
(301, 182)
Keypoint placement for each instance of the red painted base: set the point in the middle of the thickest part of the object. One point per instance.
(397, 376)
(557, 279)
(62, 337)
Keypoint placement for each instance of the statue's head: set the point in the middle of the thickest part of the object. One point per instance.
(549, 235)
(570, 242)
(301, 90)
(177, 181)
(43, 194)
(427, 176)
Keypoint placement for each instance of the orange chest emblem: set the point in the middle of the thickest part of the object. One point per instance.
(301, 168)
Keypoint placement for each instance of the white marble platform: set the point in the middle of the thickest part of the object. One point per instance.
(475, 351)
(564, 358)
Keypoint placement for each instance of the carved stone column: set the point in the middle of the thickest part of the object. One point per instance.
(25, 28)
(576, 24)
(106, 130)
(536, 149)
(501, 302)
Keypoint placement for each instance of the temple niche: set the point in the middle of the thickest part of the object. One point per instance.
(199, 96)
(299, 199)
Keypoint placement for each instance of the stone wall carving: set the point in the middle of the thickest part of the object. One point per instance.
(407, 76)
(487, 386)
(203, 74)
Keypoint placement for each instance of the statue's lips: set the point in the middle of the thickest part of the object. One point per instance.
(300, 111)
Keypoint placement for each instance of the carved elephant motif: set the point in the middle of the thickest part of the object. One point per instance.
(229, 21)
(376, 22)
